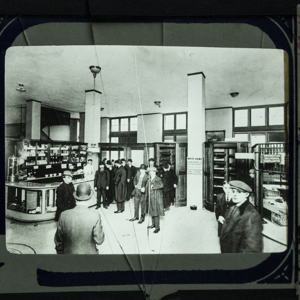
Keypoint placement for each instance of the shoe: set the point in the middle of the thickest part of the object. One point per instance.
(106, 207)
(122, 210)
(151, 226)
(97, 207)
(140, 221)
(133, 219)
(156, 230)
(118, 211)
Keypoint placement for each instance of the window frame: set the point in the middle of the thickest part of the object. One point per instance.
(174, 132)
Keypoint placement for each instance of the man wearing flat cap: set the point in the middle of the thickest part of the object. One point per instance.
(79, 230)
(242, 229)
(64, 194)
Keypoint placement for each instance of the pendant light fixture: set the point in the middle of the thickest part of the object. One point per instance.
(95, 70)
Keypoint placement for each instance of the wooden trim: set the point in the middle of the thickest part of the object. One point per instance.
(197, 73)
(87, 91)
(258, 128)
(226, 107)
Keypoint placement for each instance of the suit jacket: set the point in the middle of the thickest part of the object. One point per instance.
(79, 230)
(169, 178)
(120, 184)
(101, 179)
(64, 198)
(242, 230)
(136, 180)
(222, 207)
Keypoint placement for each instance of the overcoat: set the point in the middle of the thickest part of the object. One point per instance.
(64, 198)
(169, 178)
(120, 184)
(222, 207)
(242, 230)
(130, 173)
(156, 207)
(79, 230)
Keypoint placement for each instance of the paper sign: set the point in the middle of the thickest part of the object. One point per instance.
(194, 165)
(271, 158)
(35, 167)
(48, 167)
(63, 166)
(78, 164)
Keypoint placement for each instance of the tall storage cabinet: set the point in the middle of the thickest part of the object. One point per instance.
(219, 165)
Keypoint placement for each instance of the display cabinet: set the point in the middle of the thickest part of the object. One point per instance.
(165, 153)
(220, 165)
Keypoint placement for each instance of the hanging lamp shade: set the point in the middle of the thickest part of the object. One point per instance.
(95, 70)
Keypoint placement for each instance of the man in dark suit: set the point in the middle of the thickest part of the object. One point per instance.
(170, 181)
(101, 185)
(222, 205)
(111, 191)
(140, 181)
(130, 173)
(79, 230)
(120, 187)
(64, 194)
(242, 229)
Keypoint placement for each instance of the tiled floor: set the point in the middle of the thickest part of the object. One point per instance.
(182, 231)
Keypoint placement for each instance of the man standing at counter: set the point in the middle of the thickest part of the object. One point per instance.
(64, 194)
(79, 230)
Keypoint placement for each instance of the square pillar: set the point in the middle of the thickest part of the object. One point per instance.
(104, 130)
(196, 138)
(33, 120)
(74, 128)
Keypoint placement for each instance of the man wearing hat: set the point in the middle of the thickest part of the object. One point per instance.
(111, 191)
(101, 185)
(79, 230)
(64, 194)
(120, 187)
(140, 181)
(130, 173)
(242, 230)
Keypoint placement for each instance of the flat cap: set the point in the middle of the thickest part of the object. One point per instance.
(240, 185)
(67, 173)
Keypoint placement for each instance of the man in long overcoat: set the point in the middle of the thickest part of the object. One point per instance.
(130, 173)
(64, 194)
(170, 181)
(79, 230)
(120, 187)
(223, 204)
(242, 229)
(155, 195)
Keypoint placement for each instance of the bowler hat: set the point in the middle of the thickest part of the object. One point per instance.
(83, 192)
(108, 162)
(129, 160)
(240, 185)
(118, 162)
(67, 173)
(143, 167)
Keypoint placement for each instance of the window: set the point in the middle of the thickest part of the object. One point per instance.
(276, 115)
(181, 121)
(241, 118)
(260, 124)
(124, 124)
(123, 130)
(175, 128)
(258, 117)
(242, 137)
(115, 125)
(169, 122)
(133, 124)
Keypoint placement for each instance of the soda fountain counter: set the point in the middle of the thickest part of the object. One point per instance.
(30, 201)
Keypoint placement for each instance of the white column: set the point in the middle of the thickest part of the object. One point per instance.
(92, 122)
(196, 136)
(33, 120)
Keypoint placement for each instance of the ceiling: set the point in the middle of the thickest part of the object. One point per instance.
(133, 77)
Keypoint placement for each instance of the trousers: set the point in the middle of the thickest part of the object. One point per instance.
(139, 200)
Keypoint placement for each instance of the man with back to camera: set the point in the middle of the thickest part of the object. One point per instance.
(101, 184)
(64, 194)
(242, 228)
(170, 181)
(130, 173)
(79, 230)
(223, 204)
(120, 187)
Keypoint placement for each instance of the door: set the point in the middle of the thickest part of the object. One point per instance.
(181, 165)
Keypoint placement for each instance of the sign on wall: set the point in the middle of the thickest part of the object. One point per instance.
(194, 165)
(271, 158)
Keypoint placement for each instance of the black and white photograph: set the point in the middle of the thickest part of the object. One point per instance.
(146, 150)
